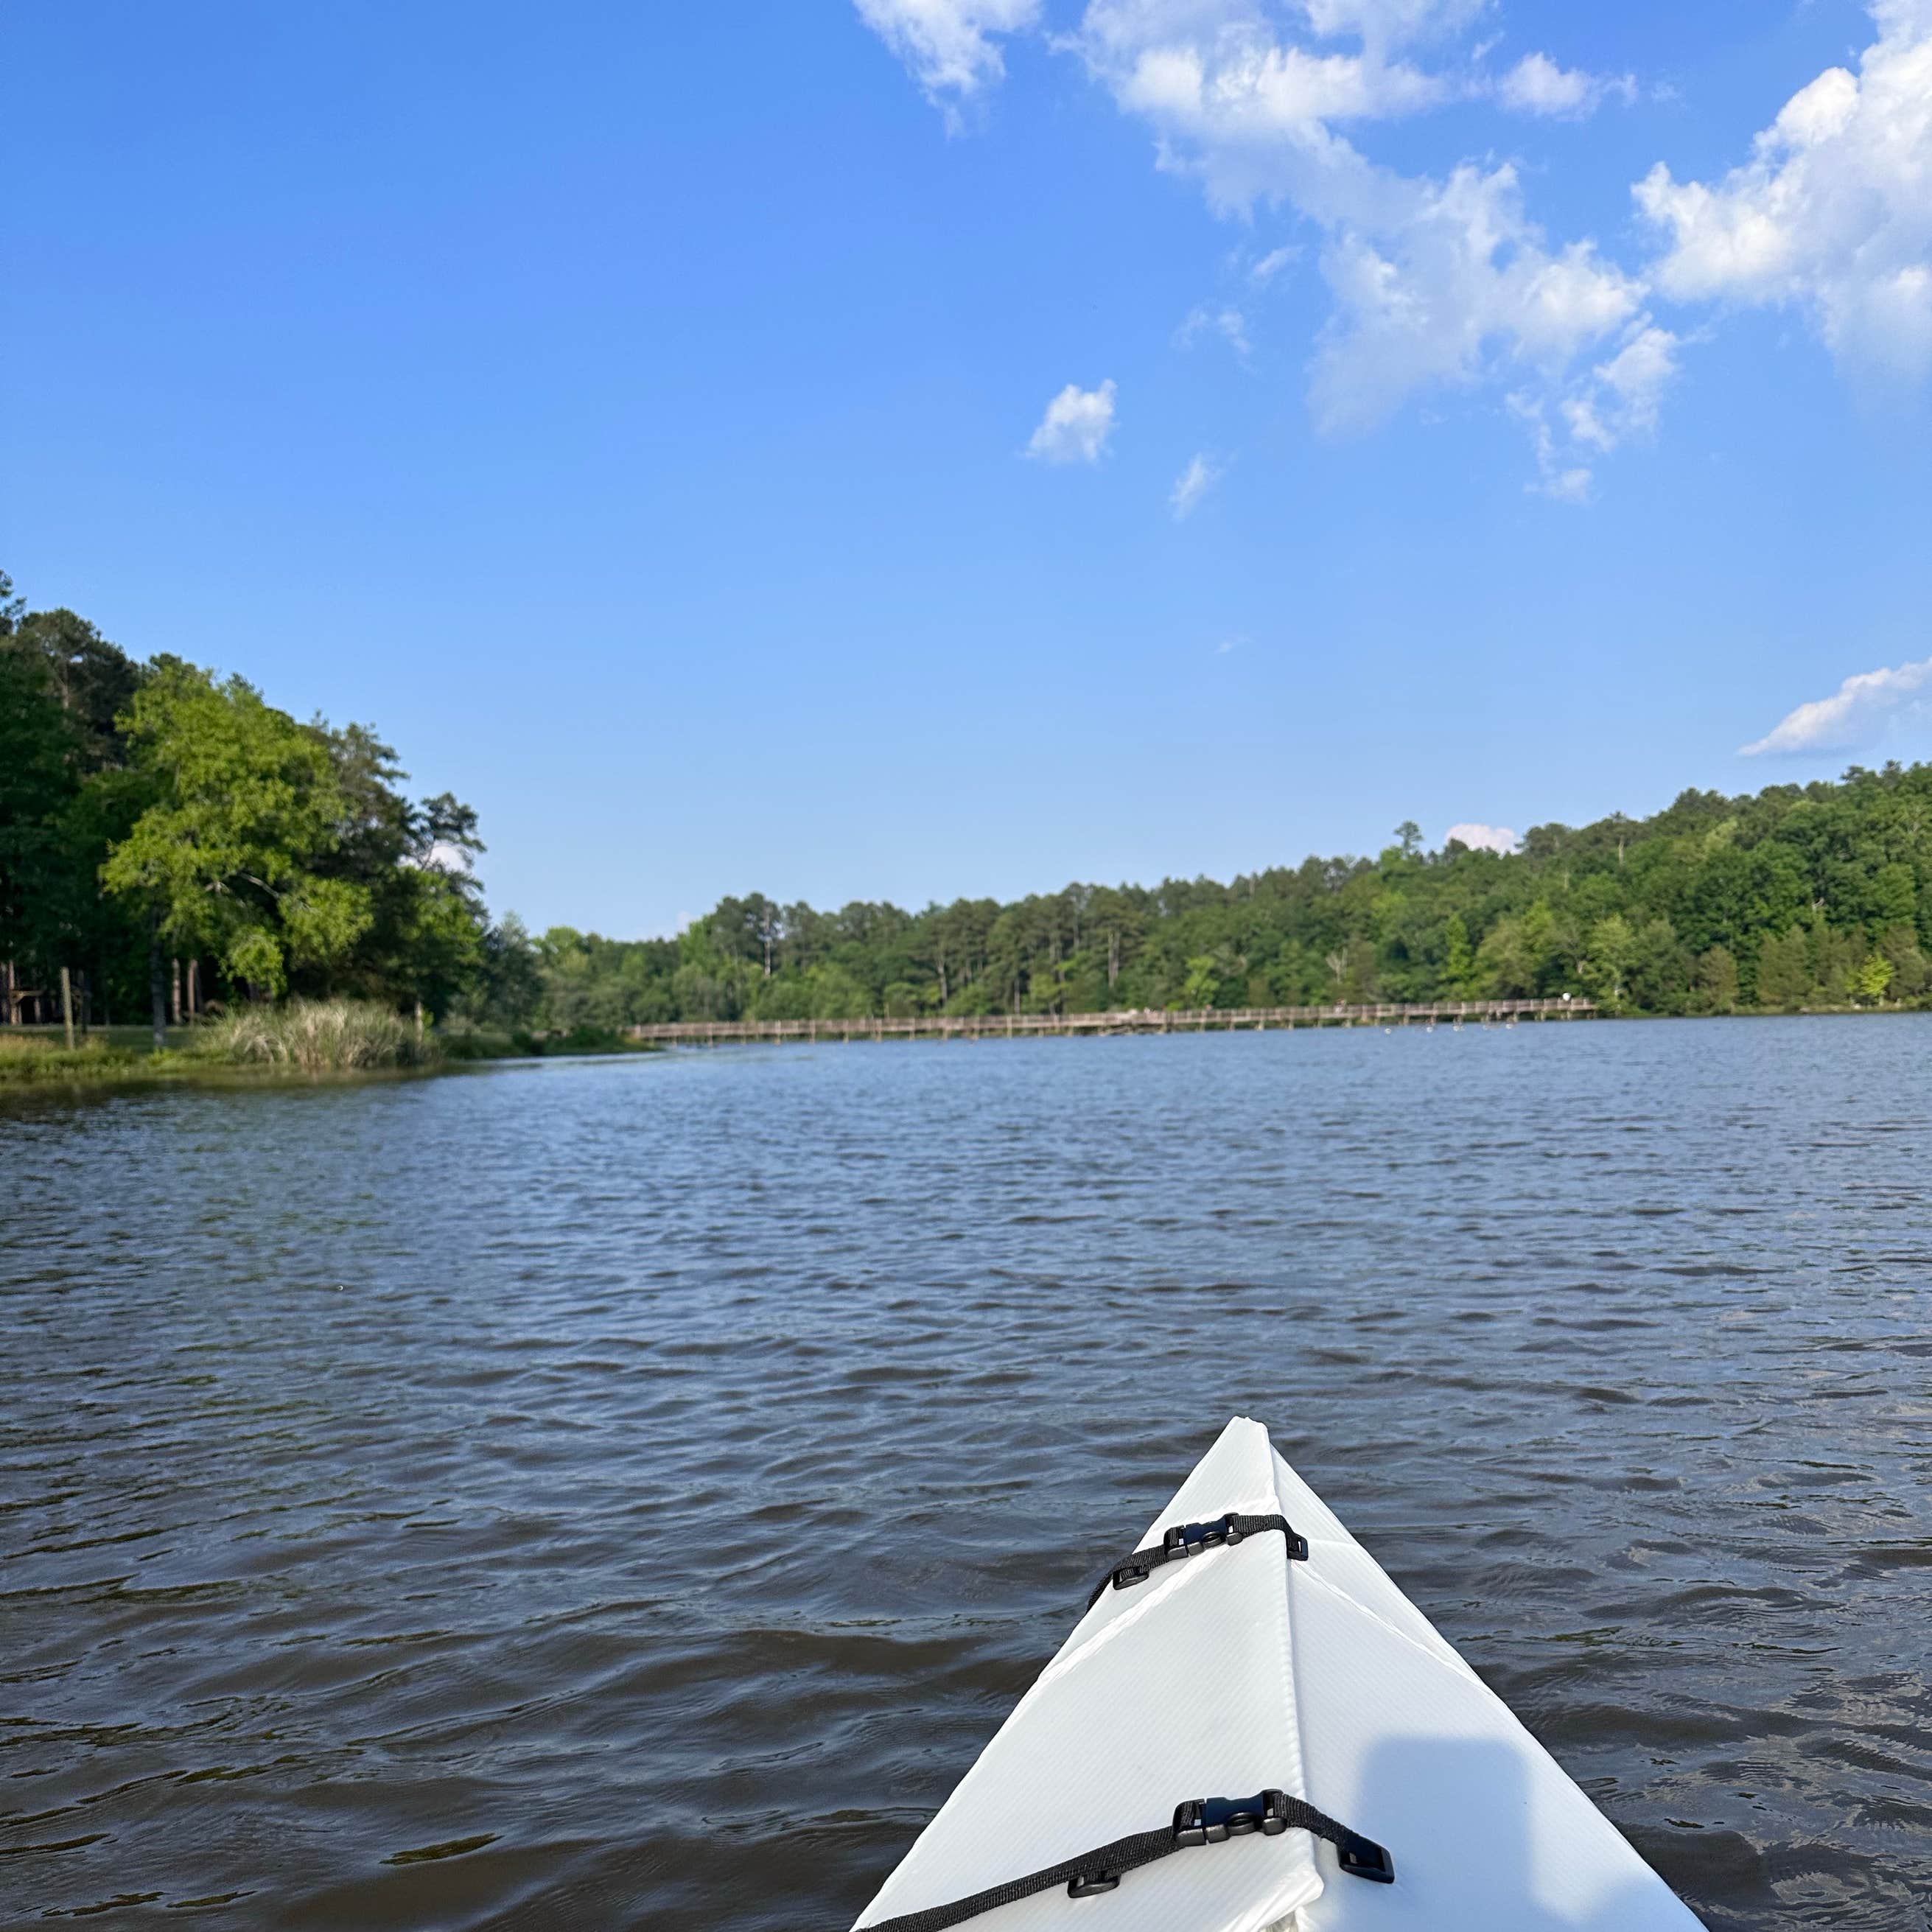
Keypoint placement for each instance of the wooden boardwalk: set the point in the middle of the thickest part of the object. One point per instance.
(1211, 1019)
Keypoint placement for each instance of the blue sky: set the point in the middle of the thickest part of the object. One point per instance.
(743, 447)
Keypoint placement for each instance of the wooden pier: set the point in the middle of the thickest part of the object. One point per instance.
(1210, 1019)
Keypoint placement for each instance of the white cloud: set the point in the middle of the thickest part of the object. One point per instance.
(1456, 286)
(1560, 475)
(1243, 111)
(1434, 282)
(1076, 426)
(1853, 717)
(442, 856)
(1536, 84)
(949, 45)
(1229, 323)
(1482, 838)
(1589, 415)
(1192, 484)
(1621, 396)
(1833, 213)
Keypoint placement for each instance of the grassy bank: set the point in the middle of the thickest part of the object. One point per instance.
(303, 1040)
(306, 1038)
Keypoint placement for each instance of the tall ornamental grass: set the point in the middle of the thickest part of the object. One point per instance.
(318, 1036)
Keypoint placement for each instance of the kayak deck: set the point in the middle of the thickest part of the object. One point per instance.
(1403, 1739)
(1241, 1670)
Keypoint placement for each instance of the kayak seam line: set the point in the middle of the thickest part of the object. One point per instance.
(1164, 1587)
(1447, 1657)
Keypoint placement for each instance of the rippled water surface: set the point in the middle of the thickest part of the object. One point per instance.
(628, 1494)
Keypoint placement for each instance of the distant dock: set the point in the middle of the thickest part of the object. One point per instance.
(1209, 1019)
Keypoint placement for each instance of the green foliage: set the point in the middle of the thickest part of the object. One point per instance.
(1718, 990)
(157, 810)
(37, 785)
(245, 808)
(1784, 969)
(1789, 899)
(1202, 982)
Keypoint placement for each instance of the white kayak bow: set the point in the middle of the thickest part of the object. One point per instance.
(1317, 1716)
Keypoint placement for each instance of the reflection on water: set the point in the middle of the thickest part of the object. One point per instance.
(629, 1493)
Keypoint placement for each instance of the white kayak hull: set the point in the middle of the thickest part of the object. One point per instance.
(1240, 1670)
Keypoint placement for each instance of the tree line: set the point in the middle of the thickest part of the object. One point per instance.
(1817, 895)
(171, 841)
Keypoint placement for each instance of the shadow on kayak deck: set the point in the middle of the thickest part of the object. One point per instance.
(1479, 1845)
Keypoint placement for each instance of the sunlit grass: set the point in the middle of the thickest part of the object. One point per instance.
(317, 1037)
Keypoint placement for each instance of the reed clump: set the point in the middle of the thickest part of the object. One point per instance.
(318, 1036)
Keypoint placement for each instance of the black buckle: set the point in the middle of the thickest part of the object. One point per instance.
(1089, 1884)
(1184, 1539)
(1207, 1821)
(1363, 1858)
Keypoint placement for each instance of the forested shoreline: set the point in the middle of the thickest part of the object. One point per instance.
(1814, 896)
(177, 845)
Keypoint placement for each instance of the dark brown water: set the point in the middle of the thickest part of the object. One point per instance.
(628, 1494)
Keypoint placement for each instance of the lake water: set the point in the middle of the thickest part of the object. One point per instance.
(606, 1494)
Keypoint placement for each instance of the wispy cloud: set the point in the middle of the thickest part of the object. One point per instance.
(1482, 838)
(1536, 84)
(1853, 717)
(1595, 411)
(1191, 485)
(1076, 427)
(949, 46)
(1229, 323)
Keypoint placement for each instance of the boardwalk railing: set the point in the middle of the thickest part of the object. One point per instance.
(1209, 1019)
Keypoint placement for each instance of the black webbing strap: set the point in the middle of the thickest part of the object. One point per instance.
(1201, 1821)
(1189, 1539)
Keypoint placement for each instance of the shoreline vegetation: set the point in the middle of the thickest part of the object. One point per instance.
(315, 1041)
(177, 852)
(301, 1039)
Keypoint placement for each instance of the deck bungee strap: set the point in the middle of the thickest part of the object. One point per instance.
(1200, 1821)
(1189, 1539)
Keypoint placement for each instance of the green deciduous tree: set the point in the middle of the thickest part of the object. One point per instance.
(247, 808)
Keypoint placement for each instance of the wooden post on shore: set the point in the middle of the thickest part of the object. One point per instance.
(66, 1006)
(158, 985)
